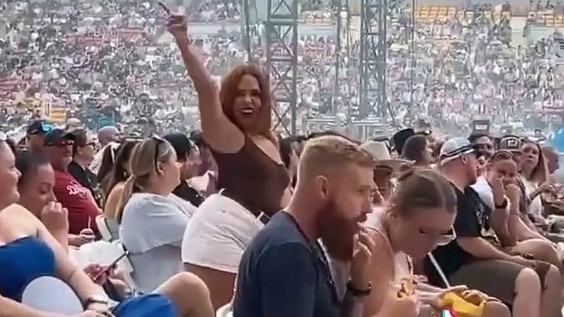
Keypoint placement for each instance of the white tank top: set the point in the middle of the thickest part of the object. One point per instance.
(403, 265)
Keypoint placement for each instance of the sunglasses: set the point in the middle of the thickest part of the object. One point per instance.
(479, 146)
(439, 238)
(65, 143)
(89, 143)
(158, 141)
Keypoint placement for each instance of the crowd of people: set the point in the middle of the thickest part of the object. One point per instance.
(467, 69)
(234, 220)
(112, 62)
(104, 60)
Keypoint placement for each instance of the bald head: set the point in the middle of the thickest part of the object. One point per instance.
(108, 134)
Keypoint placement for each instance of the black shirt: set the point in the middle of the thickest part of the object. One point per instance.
(188, 193)
(282, 274)
(87, 179)
(472, 219)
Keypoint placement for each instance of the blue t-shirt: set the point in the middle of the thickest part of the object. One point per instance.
(282, 274)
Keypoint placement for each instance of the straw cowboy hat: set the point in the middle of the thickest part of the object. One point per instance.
(381, 154)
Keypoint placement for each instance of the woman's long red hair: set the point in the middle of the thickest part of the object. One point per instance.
(228, 93)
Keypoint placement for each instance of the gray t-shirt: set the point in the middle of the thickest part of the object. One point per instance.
(152, 228)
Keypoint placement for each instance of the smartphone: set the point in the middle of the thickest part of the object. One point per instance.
(111, 266)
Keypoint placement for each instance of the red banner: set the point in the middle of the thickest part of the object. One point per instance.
(103, 36)
(83, 39)
(9, 84)
(130, 34)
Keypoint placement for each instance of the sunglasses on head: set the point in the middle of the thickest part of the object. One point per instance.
(502, 155)
(158, 141)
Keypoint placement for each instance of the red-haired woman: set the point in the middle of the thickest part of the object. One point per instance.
(236, 122)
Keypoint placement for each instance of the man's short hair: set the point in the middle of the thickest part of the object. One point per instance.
(182, 145)
(331, 151)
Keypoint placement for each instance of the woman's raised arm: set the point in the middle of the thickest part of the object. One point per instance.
(217, 129)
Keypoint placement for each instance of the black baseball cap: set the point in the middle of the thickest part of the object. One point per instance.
(55, 137)
(510, 143)
(399, 139)
(197, 137)
(39, 127)
(182, 145)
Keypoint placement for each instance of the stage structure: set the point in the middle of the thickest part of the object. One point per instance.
(373, 14)
(342, 13)
(251, 19)
(281, 28)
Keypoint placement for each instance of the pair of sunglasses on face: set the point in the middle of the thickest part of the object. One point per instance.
(440, 238)
(65, 143)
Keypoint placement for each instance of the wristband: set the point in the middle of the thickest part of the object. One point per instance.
(503, 204)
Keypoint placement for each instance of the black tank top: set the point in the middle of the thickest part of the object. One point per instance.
(252, 178)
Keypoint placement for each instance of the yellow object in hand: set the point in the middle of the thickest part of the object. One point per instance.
(467, 304)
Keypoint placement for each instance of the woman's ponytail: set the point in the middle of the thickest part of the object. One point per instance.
(128, 189)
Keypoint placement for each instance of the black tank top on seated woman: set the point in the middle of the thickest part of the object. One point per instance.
(252, 178)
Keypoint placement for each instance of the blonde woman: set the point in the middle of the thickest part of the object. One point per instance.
(152, 223)
(534, 174)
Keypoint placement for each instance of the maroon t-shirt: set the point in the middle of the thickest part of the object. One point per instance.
(78, 201)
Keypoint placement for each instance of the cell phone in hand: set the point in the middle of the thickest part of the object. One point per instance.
(111, 266)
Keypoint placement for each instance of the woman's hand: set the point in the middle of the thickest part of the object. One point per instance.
(103, 309)
(85, 236)
(547, 188)
(90, 313)
(513, 193)
(177, 26)
(519, 259)
(55, 217)
(95, 310)
(98, 273)
(498, 190)
(434, 299)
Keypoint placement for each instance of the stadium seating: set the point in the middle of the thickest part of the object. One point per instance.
(550, 19)
(432, 13)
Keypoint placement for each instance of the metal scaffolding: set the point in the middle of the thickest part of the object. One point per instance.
(342, 13)
(282, 61)
(373, 99)
(249, 30)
